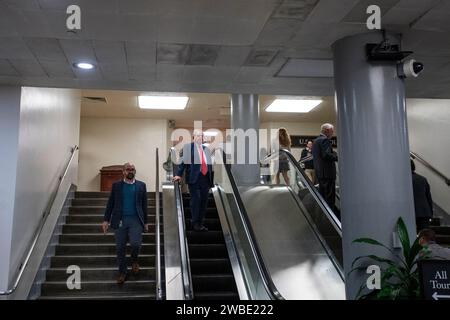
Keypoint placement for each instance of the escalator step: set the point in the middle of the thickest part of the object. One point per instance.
(217, 295)
(209, 266)
(213, 282)
(207, 251)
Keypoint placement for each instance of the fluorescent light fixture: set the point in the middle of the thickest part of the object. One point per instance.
(293, 105)
(84, 65)
(163, 102)
(210, 133)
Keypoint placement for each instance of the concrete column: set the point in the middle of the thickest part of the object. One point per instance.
(375, 174)
(245, 140)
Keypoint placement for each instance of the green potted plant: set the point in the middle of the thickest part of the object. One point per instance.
(399, 277)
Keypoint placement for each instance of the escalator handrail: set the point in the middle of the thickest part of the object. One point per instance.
(184, 248)
(415, 156)
(320, 200)
(326, 208)
(268, 283)
(159, 293)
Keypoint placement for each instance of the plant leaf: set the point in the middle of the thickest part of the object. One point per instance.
(415, 250)
(372, 242)
(402, 232)
(376, 258)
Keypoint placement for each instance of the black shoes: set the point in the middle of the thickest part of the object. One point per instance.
(200, 228)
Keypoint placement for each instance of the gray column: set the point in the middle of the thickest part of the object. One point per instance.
(375, 174)
(245, 124)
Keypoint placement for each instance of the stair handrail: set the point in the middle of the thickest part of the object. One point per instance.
(184, 248)
(268, 283)
(159, 293)
(415, 156)
(40, 227)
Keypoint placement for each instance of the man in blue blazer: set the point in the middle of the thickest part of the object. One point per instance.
(126, 213)
(196, 161)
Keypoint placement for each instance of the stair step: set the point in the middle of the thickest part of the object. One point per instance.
(98, 249)
(210, 266)
(442, 230)
(50, 288)
(101, 194)
(101, 202)
(97, 261)
(101, 238)
(98, 274)
(213, 282)
(101, 210)
(211, 224)
(110, 296)
(93, 218)
(92, 228)
(211, 237)
(207, 251)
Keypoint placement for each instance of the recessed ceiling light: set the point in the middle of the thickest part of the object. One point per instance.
(84, 65)
(293, 105)
(163, 102)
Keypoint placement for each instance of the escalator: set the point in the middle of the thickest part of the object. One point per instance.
(264, 242)
(211, 272)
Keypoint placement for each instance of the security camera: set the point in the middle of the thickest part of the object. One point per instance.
(410, 68)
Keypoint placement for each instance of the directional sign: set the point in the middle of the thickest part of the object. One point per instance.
(435, 279)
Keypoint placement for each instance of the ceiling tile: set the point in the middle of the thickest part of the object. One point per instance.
(141, 53)
(112, 52)
(202, 54)
(358, 13)
(142, 72)
(172, 53)
(278, 31)
(331, 11)
(46, 49)
(14, 48)
(306, 68)
(23, 4)
(260, 57)
(201, 74)
(114, 71)
(78, 50)
(295, 9)
(232, 55)
(6, 69)
(28, 68)
(56, 69)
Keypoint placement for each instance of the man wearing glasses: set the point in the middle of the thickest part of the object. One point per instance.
(126, 213)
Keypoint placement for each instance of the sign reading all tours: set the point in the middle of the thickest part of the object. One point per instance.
(435, 282)
(300, 141)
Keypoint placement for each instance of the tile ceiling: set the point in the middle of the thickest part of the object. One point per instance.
(208, 46)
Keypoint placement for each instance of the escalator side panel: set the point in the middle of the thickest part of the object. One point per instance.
(299, 265)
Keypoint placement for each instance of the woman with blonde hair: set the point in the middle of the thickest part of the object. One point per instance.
(284, 140)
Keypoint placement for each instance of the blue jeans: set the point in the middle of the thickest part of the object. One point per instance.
(131, 229)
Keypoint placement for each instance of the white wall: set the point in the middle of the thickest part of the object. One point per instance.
(429, 137)
(9, 138)
(111, 141)
(49, 127)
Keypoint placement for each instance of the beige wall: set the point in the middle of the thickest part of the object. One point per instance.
(111, 141)
(429, 132)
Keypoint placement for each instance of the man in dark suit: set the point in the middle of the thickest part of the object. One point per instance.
(324, 159)
(196, 161)
(423, 203)
(126, 213)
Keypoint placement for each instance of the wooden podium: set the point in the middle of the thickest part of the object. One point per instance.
(109, 175)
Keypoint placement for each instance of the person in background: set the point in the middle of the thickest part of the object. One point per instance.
(309, 164)
(284, 140)
(427, 239)
(196, 161)
(126, 213)
(423, 203)
(324, 159)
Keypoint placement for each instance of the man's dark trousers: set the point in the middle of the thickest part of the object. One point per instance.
(131, 229)
(327, 188)
(199, 199)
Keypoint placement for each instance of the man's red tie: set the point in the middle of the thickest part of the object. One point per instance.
(204, 166)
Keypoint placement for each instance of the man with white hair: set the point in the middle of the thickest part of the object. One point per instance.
(324, 164)
(196, 161)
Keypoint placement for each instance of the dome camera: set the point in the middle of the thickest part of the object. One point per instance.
(410, 68)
